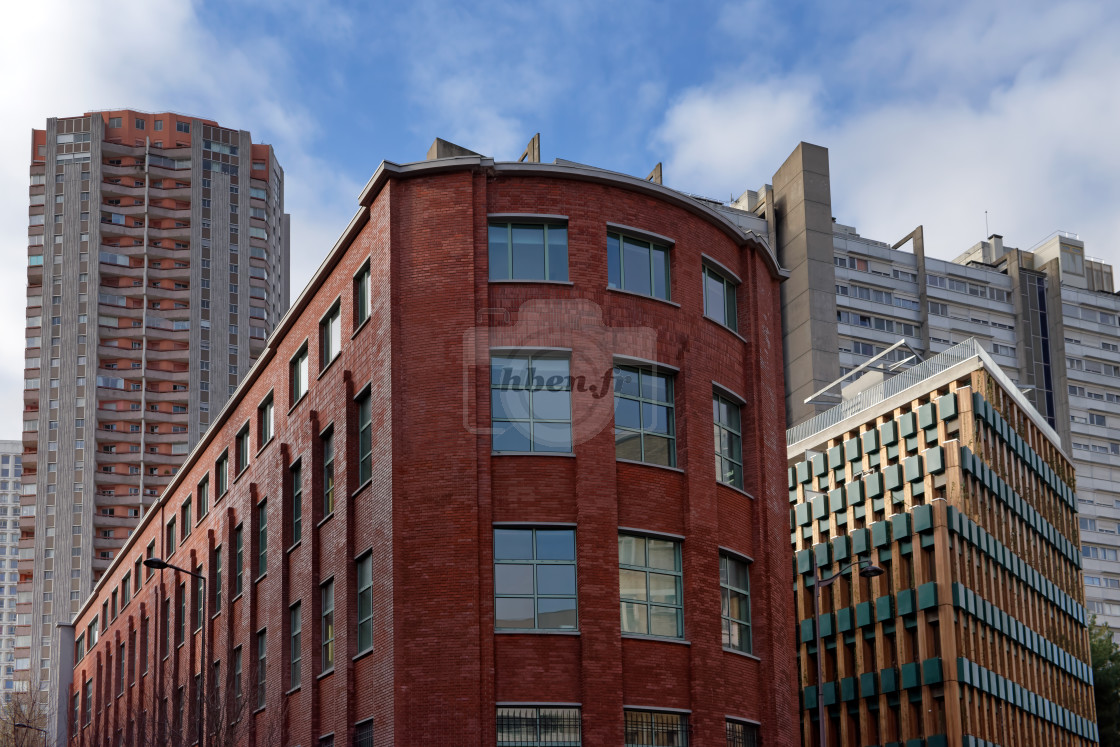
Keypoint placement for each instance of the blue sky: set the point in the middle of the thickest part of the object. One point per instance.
(933, 112)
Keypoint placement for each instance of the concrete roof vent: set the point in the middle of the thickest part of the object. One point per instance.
(444, 149)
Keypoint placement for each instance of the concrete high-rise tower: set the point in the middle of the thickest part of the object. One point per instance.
(157, 266)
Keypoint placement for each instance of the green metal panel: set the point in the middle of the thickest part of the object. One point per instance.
(874, 485)
(880, 533)
(883, 608)
(836, 501)
(823, 551)
(928, 540)
(935, 460)
(848, 689)
(964, 670)
(852, 451)
(827, 627)
(863, 614)
(854, 492)
(911, 676)
(806, 630)
(870, 440)
(835, 459)
(792, 474)
(892, 477)
(868, 685)
(904, 600)
(802, 472)
(927, 595)
(900, 525)
(913, 468)
(846, 620)
(932, 671)
(860, 539)
(888, 680)
(820, 506)
(888, 432)
(801, 514)
(923, 517)
(908, 425)
(927, 416)
(819, 466)
(911, 443)
(804, 562)
(829, 692)
(841, 547)
(947, 406)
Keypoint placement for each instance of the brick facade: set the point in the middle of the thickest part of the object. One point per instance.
(437, 669)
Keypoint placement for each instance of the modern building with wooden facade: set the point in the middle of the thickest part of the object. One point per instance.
(947, 479)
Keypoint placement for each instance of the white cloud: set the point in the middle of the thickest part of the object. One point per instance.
(1005, 112)
(66, 58)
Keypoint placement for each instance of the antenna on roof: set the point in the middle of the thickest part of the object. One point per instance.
(655, 175)
(532, 152)
(987, 231)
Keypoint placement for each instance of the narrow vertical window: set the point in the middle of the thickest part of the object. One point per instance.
(262, 668)
(221, 474)
(185, 514)
(237, 692)
(361, 296)
(365, 603)
(149, 554)
(171, 535)
(330, 336)
(204, 497)
(217, 579)
(328, 472)
(719, 299)
(238, 561)
(297, 503)
(650, 586)
(296, 655)
(262, 538)
(144, 625)
(735, 602)
(365, 437)
(200, 598)
(729, 441)
(297, 376)
(242, 449)
(265, 422)
(644, 422)
(181, 620)
(120, 669)
(327, 631)
(166, 626)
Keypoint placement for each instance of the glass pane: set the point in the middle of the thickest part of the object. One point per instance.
(549, 405)
(556, 544)
(657, 418)
(551, 373)
(737, 606)
(556, 579)
(499, 254)
(511, 437)
(631, 584)
(724, 599)
(557, 253)
(635, 267)
(730, 314)
(614, 271)
(627, 413)
(717, 410)
(634, 618)
(559, 726)
(713, 298)
(552, 437)
(509, 404)
(513, 579)
(626, 381)
(513, 613)
(664, 588)
(659, 258)
(664, 621)
(659, 450)
(736, 448)
(736, 475)
(726, 633)
(528, 252)
(556, 613)
(509, 372)
(513, 544)
(628, 445)
(663, 555)
(631, 550)
(737, 574)
(656, 387)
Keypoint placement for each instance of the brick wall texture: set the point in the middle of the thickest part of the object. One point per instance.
(437, 668)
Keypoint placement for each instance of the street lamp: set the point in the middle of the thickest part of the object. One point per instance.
(156, 564)
(867, 570)
(20, 725)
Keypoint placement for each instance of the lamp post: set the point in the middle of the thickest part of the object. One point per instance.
(870, 570)
(157, 564)
(21, 725)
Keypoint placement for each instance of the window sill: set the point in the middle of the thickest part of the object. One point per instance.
(649, 464)
(640, 637)
(361, 326)
(725, 328)
(201, 518)
(737, 490)
(261, 577)
(528, 631)
(741, 653)
(296, 404)
(263, 447)
(519, 281)
(325, 519)
(258, 710)
(533, 453)
(295, 544)
(331, 362)
(239, 475)
(363, 486)
(294, 690)
(236, 597)
(216, 615)
(643, 295)
(327, 673)
(363, 654)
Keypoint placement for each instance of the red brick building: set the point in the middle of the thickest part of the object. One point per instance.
(466, 495)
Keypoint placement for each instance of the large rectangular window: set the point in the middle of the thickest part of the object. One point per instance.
(262, 538)
(328, 472)
(365, 603)
(297, 502)
(655, 728)
(362, 306)
(735, 602)
(644, 427)
(538, 725)
(742, 734)
(330, 336)
(297, 376)
(522, 251)
(535, 579)
(531, 403)
(327, 628)
(296, 655)
(637, 266)
(719, 299)
(365, 436)
(729, 441)
(650, 586)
